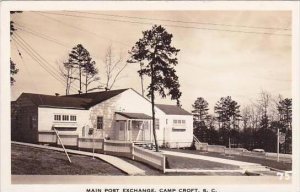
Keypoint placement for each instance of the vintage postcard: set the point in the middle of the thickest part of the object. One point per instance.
(150, 96)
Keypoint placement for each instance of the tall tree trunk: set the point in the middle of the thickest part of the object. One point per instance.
(142, 81)
(68, 82)
(153, 109)
(86, 83)
(80, 79)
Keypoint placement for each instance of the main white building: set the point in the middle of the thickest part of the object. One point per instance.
(121, 114)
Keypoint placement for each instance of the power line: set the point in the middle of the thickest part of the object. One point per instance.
(18, 49)
(43, 58)
(80, 29)
(27, 70)
(40, 35)
(176, 26)
(34, 55)
(180, 21)
(53, 74)
(31, 54)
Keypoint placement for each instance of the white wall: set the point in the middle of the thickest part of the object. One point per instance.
(131, 102)
(46, 118)
(182, 138)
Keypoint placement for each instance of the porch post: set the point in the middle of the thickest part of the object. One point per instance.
(143, 130)
(125, 130)
(130, 135)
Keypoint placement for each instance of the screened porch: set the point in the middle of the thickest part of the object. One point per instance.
(134, 127)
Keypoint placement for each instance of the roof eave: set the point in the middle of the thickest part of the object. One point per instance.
(60, 107)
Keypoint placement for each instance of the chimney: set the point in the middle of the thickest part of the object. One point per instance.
(56, 94)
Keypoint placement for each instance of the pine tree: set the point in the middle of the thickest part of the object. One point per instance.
(200, 110)
(13, 68)
(90, 73)
(13, 71)
(80, 59)
(228, 115)
(154, 49)
(285, 113)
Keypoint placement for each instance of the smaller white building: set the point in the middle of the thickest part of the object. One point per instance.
(121, 114)
(178, 126)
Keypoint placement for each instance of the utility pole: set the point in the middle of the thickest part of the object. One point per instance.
(278, 144)
(93, 143)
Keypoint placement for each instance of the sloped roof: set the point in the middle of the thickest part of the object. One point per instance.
(172, 109)
(134, 115)
(82, 101)
(97, 97)
(57, 101)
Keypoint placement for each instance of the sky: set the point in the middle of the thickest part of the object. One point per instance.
(222, 53)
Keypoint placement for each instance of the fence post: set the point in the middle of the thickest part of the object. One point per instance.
(164, 164)
(132, 150)
(103, 147)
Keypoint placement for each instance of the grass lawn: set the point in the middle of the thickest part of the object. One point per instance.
(34, 161)
(27, 160)
(265, 162)
(175, 162)
(185, 163)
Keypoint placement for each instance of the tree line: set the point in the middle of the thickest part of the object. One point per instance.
(250, 127)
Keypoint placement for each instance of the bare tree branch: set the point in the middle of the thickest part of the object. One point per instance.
(113, 67)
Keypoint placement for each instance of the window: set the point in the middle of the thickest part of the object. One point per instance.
(72, 117)
(178, 122)
(179, 125)
(99, 122)
(156, 123)
(65, 117)
(57, 117)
